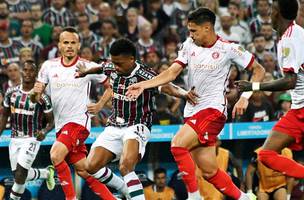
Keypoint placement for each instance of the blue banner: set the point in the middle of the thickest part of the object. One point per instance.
(231, 131)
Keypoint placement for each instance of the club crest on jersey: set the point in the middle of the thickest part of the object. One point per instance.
(285, 51)
(133, 80)
(193, 53)
(215, 55)
(114, 75)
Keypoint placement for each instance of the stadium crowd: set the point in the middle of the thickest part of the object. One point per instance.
(30, 30)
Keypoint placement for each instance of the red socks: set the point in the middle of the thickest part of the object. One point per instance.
(222, 181)
(64, 175)
(99, 189)
(280, 163)
(186, 166)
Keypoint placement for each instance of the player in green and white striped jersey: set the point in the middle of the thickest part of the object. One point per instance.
(27, 130)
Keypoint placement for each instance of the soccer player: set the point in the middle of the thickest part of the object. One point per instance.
(289, 130)
(208, 58)
(130, 122)
(27, 131)
(70, 97)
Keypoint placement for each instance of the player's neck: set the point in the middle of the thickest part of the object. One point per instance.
(210, 41)
(66, 61)
(27, 86)
(284, 26)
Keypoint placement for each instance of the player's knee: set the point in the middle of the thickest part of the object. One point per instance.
(56, 158)
(91, 167)
(126, 166)
(82, 173)
(207, 174)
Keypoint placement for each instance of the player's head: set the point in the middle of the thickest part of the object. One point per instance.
(201, 24)
(29, 71)
(69, 43)
(283, 10)
(160, 177)
(123, 55)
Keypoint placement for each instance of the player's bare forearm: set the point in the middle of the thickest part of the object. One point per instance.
(286, 83)
(173, 90)
(3, 120)
(107, 95)
(165, 77)
(50, 122)
(94, 70)
(258, 72)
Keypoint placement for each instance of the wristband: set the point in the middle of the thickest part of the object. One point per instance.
(247, 95)
(288, 196)
(255, 86)
(182, 91)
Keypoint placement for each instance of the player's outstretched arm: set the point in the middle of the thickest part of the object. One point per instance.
(40, 135)
(163, 78)
(37, 92)
(3, 121)
(94, 108)
(82, 70)
(286, 83)
(258, 73)
(174, 90)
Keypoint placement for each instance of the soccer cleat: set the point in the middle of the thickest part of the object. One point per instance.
(50, 181)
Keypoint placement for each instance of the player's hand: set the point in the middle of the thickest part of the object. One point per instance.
(36, 92)
(81, 70)
(240, 107)
(192, 96)
(94, 108)
(40, 135)
(243, 85)
(135, 90)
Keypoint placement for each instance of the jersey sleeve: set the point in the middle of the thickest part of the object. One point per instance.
(43, 74)
(6, 100)
(182, 57)
(290, 55)
(241, 56)
(46, 104)
(100, 77)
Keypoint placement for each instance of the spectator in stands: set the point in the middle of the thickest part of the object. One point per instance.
(42, 31)
(300, 16)
(51, 51)
(152, 58)
(168, 7)
(170, 46)
(259, 109)
(9, 49)
(156, 15)
(105, 12)
(178, 24)
(93, 9)
(26, 53)
(267, 32)
(159, 190)
(58, 14)
(285, 105)
(259, 44)
(263, 16)
(239, 26)
(270, 65)
(121, 8)
(272, 184)
(19, 10)
(225, 160)
(176, 182)
(213, 5)
(79, 8)
(101, 48)
(14, 76)
(14, 25)
(26, 40)
(145, 41)
(86, 53)
(86, 36)
(163, 115)
(225, 31)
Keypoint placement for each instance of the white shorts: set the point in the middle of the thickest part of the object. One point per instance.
(113, 138)
(23, 151)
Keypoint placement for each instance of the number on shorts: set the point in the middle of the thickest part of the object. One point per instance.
(32, 147)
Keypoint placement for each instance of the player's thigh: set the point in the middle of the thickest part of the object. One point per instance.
(262, 196)
(205, 158)
(280, 194)
(276, 141)
(186, 137)
(58, 152)
(28, 152)
(14, 149)
(98, 158)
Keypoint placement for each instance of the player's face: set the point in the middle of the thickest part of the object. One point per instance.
(160, 180)
(123, 64)
(199, 33)
(28, 74)
(69, 44)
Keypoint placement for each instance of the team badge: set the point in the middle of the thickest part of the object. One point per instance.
(241, 49)
(114, 75)
(133, 80)
(215, 55)
(285, 51)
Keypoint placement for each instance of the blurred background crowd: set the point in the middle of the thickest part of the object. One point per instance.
(29, 29)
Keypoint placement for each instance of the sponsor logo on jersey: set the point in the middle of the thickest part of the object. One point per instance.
(121, 97)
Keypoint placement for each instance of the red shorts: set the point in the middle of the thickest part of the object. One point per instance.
(292, 124)
(73, 135)
(207, 123)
